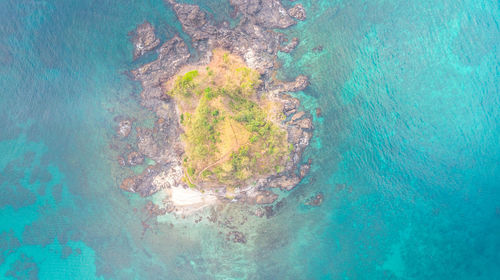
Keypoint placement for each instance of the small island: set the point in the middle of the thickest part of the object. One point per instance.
(225, 131)
(232, 135)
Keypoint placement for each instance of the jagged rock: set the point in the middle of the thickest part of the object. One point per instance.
(266, 13)
(291, 45)
(304, 123)
(134, 158)
(304, 169)
(298, 116)
(171, 56)
(142, 183)
(193, 21)
(297, 12)
(144, 39)
(285, 182)
(124, 128)
(290, 104)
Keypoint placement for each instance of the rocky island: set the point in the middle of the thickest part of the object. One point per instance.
(226, 131)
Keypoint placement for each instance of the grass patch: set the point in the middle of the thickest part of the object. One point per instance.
(230, 134)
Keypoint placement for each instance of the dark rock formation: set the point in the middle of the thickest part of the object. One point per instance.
(143, 183)
(134, 158)
(171, 56)
(297, 12)
(290, 104)
(23, 268)
(291, 45)
(266, 13)
(144, 39)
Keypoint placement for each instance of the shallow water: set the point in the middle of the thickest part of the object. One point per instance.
(406, 151)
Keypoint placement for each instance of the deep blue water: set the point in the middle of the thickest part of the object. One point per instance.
(406, 152)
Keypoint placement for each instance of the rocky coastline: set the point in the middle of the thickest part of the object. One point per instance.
(257, 43)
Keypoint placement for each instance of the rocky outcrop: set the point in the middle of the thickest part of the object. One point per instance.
(266, 13)
(252, 39)
(285, 182)
(301, 82)
(297, 12)
(143, 183)
(134, 158)
(171, 56)
(144, 39)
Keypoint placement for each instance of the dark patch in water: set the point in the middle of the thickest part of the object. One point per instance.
(8, 244)
(23, 268)
(66, 252)
(40, 174)
(57, 192)
(16, 196)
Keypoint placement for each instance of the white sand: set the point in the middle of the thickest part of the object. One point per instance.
(183, 197)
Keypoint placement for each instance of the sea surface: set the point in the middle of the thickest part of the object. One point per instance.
(406, 152)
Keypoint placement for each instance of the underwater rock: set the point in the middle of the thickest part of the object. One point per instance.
(291, 45)
(318, 48)
(124, 128)
(319, 113)
(315, 200)
(236, 237)
(121, 161)
(134, 158)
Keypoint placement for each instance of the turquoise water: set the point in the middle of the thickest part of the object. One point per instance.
(406, 151)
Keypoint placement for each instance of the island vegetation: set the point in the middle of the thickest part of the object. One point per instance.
(232, 133)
